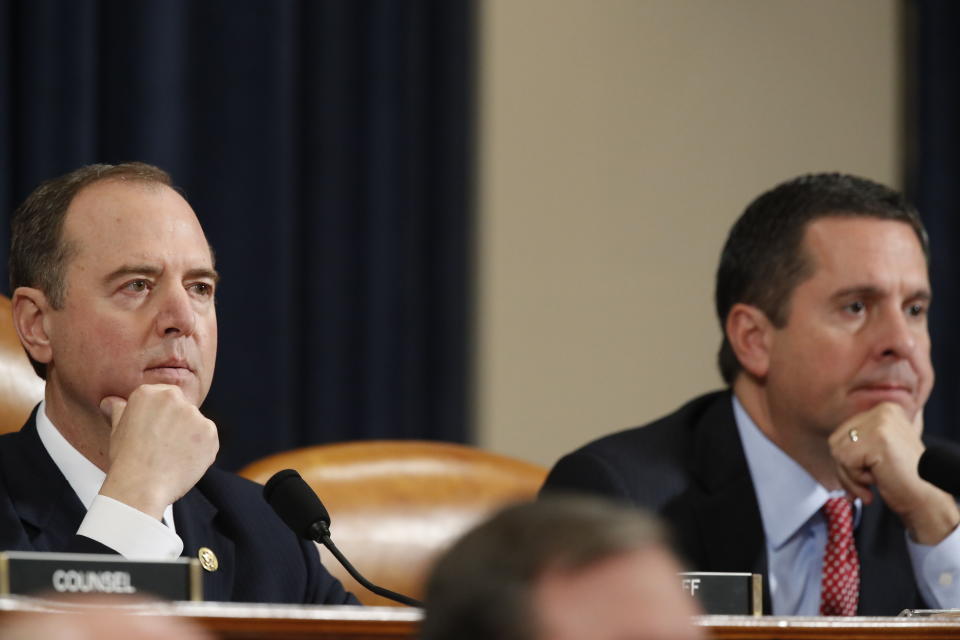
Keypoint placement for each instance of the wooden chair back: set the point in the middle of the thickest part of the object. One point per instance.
(20, 388)
(395, 505)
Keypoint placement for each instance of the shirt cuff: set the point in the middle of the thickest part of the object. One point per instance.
(131, 533)
(937, 570)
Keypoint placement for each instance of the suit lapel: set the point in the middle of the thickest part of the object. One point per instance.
(195, 519)
(718, 515)
(41, 496)
(887, 582)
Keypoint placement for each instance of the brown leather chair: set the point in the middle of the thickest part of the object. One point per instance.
(395, 505)
(20, 388)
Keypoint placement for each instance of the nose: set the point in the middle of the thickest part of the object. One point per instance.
(897, 335)
(176, 315)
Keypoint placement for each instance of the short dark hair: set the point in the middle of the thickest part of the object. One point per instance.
(38, 251)
(763, 259)
(481, 588)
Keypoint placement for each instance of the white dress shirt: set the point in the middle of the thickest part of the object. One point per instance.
(131, 533)
(795, 531)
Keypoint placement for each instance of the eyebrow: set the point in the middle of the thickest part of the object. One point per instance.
(867, 291)
(154, 271)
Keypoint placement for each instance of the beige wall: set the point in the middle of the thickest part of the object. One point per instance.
(619, 140)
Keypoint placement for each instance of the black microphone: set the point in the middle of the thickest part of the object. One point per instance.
(940, 465)
(300, 508)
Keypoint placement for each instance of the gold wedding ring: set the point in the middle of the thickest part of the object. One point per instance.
(854, 435)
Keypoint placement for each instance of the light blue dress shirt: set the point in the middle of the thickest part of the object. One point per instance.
(795, 531)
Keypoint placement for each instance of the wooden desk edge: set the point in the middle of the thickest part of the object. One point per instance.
(820, 628)
(238, 620)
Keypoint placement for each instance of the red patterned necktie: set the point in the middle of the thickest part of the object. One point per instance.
(840, 587)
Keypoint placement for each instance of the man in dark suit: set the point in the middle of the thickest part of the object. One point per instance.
(822, 293)
(113, 299)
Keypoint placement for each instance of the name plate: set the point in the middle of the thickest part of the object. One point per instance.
(738, 594)
(32, 572)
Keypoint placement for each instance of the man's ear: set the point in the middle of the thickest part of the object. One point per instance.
(30, 308)
(750, 334)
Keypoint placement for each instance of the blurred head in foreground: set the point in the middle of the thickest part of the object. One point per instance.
(557, 569)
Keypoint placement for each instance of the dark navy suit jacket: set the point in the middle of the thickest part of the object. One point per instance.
(690, 468)
(260, 559)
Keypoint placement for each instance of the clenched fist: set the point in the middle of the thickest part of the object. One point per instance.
(160, 446)
(881, 448)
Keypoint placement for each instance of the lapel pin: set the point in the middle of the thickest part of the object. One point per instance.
(208, 559)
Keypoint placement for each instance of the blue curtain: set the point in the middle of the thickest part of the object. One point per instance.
(327, 148)
(933, 184)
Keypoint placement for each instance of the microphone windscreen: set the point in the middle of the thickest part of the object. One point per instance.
(940, 466)
(295, 502)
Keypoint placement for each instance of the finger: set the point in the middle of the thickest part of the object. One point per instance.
(853, 486)
(112, 408)
(847, 439)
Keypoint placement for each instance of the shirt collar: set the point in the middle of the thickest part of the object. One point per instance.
(84, 477)
(787, 494)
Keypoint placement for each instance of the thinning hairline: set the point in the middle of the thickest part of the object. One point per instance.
(71, 247)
